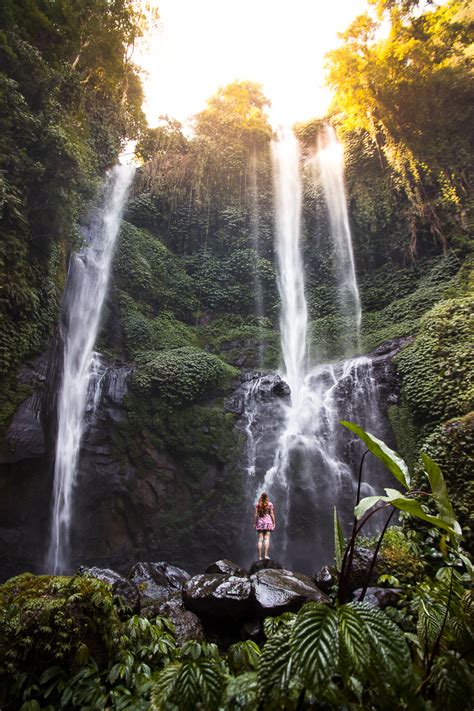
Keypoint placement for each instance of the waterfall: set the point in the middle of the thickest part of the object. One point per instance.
(308, 462)
(255, 234)
(330, 165)
(294, 312)
(83, 299)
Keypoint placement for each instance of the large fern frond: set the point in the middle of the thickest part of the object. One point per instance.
(353, 640)
(241, 693)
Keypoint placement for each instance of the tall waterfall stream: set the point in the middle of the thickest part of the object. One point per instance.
(308, 462)
(83, 300)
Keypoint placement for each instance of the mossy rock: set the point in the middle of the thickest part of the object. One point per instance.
(48, 620)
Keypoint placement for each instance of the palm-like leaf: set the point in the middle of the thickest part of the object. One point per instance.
(452, 683)
(353, 639)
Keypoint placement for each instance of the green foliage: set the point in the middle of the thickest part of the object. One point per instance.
(437, 368)
(196, 681)
(69, 97)
(336, 656)
(243, 657)
(182, 375)
(48, 621)
(400, 91)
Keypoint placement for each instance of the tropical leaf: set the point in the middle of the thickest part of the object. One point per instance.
(452, 682)
(315, 645)
(403, 503)
(353, 639)
(339, 542)
(440, 493)
(243, 656)
(241, 693)
(389, 649)
(276, 675)
(391, 459)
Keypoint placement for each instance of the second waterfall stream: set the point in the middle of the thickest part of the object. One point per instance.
(83, 299)
(312, 465)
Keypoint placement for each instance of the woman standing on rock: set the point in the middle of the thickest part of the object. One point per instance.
(264, 522)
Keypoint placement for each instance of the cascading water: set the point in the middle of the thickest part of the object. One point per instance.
(308, 463)
(294, 311)
(84, 297)
(329, 163)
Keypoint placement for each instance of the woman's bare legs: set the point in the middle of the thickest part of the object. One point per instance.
(261, 535)
(266, 543)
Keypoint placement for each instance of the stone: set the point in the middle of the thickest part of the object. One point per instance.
(252, 629)
(24, 438)
(122, 589)
(360, 568)
(265, 564)
(278, 591)
(379, 597)
(156, 581)
(187, 625)
(226, 567)
(326, 578)
(217, 595)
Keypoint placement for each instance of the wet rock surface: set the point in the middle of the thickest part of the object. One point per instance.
(379, 597)
(278, 591)
(265, 564)
(187, 625)
(326, 578)
(157, 581)
(125, 590)
(360, 568)
(226, 567)
(216, 595)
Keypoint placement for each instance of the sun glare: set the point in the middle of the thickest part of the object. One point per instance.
(201, 46)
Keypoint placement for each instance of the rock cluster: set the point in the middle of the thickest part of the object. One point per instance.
(225, 600)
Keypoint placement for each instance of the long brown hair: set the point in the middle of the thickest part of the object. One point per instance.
(263, 504)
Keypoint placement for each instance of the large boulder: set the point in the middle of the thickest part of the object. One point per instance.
(278, 591)
(123, 590)
(265, 564)
(226, 567)
(361, 563)
(379, 597)
(156, 581)
(187, 625)
(216, 595)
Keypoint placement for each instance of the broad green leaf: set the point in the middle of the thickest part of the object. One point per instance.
(315, 645)
(439, 491)
(403, 503)
(338, 541)
(365, 504)
(391, 459)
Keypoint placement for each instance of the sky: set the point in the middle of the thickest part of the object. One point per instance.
(201, 45)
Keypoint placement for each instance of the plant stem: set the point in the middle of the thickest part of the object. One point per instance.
(374, 557)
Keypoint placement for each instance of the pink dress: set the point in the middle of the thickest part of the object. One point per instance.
(265, 522)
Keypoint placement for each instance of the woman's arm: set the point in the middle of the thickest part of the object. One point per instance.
(272, 514)
(255, 516)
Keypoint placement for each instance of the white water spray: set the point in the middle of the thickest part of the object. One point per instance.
(330, 161)
(86, 289)
(294, 312)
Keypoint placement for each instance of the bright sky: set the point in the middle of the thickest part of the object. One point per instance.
(201, 45)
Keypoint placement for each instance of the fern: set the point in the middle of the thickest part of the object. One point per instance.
(242, 692)
(189, 684)
(243, 656)
(353, 639)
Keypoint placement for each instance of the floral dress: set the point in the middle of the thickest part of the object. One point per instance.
(265, 522)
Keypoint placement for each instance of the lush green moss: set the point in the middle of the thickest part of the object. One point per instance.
(451, 445)
(406, 433)
(438, 368)
(182, 375)
(251, 340)
(146, 270)
(47, 620)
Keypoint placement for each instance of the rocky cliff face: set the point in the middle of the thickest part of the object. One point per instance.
(149, 486)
